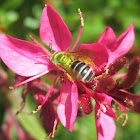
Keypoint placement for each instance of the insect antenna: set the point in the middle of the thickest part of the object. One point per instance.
(50, 45)
(48, 56)
(51, 51)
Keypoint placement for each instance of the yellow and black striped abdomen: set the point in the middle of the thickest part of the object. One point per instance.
(84, 72)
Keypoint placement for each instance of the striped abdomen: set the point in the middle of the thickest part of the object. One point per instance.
(84, 72)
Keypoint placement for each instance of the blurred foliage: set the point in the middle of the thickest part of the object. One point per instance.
(19, 18)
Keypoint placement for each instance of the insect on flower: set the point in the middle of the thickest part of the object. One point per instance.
(76, 65)
(92, 65)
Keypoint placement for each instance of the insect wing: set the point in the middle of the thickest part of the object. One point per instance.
(87, 53)
(69, 72)
(86, 56)
(83, 53)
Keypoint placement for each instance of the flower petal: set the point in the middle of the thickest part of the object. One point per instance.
(103, 98)
(105, 126)
(100, 52)
(53, 28)
(20, 56)
(104, 103)
(132, 74)
(120, 46)
(48, 115)
(68, 106)
(108, 38)
(125, 41)
(129, 100)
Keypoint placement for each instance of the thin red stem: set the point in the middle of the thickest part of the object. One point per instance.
(47, 95)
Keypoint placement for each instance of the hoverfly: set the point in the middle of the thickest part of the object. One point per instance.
(76, 65)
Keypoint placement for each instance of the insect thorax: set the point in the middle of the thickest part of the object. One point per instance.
(61, 58)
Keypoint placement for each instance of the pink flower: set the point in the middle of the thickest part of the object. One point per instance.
(117, 46)
(21, 57)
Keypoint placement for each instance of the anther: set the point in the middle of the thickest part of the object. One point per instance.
(38, 108)
(81, 17)
(11, 87)
(123, 116)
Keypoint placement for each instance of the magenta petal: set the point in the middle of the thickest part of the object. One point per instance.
(100, 52)
(104, 103)
(110, 112)
(103, 98)
(68, 106)
(20, 56)
(108, 38)
(126, 40)
(53, 28)
(105, 126)
(124, 43)
(120, 46)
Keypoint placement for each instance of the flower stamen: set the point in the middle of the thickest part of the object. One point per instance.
(47, 95)
(87, 90)
(123, 116)
(36, 110)
(80, 32)
(28, 80)
(51, 135)
(81, 17)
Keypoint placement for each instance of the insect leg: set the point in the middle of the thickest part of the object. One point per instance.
(61, 67)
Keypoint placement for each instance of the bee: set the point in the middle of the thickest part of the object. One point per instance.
(78, 66)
